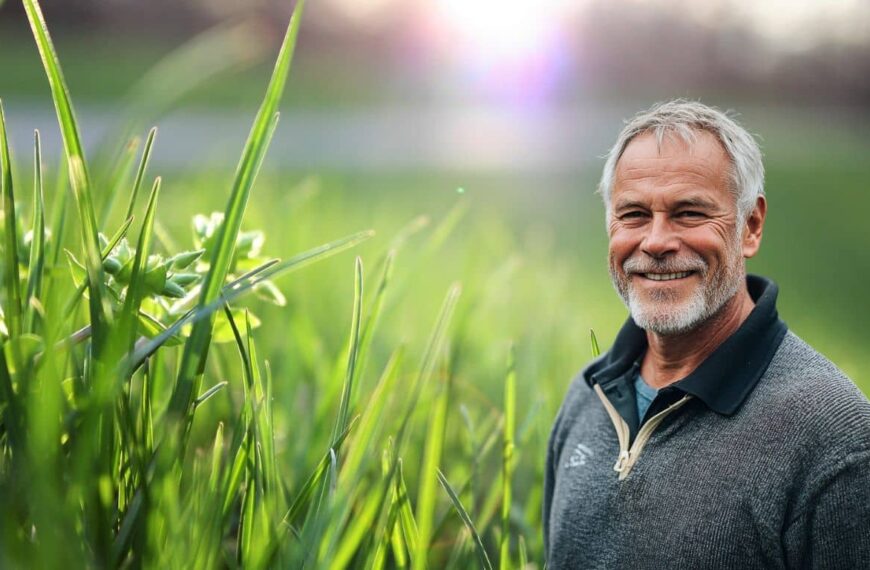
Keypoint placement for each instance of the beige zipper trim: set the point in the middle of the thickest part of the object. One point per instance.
(628, 456)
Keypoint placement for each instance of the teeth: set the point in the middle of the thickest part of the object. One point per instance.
(666, 276)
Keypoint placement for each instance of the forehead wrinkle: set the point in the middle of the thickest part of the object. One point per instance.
(667, 164)
(704, 155)
(639, 178)
(663, 172)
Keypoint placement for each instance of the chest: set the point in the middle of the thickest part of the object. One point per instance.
(695, 497)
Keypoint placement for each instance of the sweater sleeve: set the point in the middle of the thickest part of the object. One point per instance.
(550, 481)
(832, 530)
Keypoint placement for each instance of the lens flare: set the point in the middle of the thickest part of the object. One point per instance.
(513, 47)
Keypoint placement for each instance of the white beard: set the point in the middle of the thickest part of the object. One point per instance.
(661, 311)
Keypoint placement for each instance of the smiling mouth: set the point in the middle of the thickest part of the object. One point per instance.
(666, 276)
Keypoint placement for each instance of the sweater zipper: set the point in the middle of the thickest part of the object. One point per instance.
(628, 455)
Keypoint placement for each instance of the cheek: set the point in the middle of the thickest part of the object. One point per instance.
(622, 244)
(709, 243)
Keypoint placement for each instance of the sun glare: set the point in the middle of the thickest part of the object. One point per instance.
(502, 29)
(510, 48)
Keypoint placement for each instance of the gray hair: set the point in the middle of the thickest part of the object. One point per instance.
(684, 119)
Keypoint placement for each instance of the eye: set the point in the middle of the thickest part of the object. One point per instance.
(633, 214)
(691, 214)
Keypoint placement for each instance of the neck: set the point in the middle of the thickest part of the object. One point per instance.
(673, 357)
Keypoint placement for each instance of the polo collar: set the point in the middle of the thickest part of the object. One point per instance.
(728, 375)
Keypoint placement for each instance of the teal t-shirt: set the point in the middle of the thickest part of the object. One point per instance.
(645, 394)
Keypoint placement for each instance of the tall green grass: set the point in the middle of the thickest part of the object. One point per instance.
(114, 349)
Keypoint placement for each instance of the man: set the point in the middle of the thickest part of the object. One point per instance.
(709, 436)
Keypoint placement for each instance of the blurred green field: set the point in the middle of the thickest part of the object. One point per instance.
(102, 68)
(529, 252)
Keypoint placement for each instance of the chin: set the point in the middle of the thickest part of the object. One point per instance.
(669, 318)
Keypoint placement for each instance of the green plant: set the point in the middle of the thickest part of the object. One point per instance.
(97, 407)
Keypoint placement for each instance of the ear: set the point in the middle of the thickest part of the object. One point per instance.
(754, 227)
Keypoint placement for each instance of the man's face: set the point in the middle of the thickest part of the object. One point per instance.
(675, 238)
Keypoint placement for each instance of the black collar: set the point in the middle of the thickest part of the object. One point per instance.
(726, 377)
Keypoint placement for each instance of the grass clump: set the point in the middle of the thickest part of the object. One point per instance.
(115, 348)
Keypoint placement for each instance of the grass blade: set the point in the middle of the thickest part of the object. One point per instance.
(362, 524)
(116, 178)
(12, 280)
(463, 514)
(410, 532)
(369, 420)
(426, 496)
(78, 170)
(36, 263)
(374, 314)
(433, 349)
(351, 476)
(209, 393)
(507, 459)
(195, 349)
(315, 478)
(140, 172)
(58, 215)
(136, 289)
(347, 389)
(216, 457)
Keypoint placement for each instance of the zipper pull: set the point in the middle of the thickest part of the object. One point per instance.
(621, 462)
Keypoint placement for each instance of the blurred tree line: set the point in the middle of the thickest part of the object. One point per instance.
(631, 47)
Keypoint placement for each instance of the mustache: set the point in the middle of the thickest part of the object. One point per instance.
(667, 265)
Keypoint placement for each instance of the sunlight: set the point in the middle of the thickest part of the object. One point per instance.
(501, 30)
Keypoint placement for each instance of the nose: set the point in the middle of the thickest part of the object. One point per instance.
(660, 238)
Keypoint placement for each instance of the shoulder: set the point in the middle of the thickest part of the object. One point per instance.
(576, 399)
(813, 401)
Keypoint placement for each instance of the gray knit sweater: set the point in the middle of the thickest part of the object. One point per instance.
(782, 483)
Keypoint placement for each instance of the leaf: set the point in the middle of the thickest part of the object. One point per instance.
(78, 171)
(81, 282)
(374, 313)
(11, 279)
(216, 457)
(314, 479)
(58, 217)
(463, 514)
(508, 457)
(433, 349)
(243, 284)
(209, 393)
(185, 258)
(151, 327)
(352, 474)
(36, 264)
(184, 279)
(76, 269)
(269, 292)
(21, 350)
(406, 515)
(139, 279)
(431, 458)
(195, 349)
(347, 389)
(140, 172)
(117, 176)
(223, 332)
